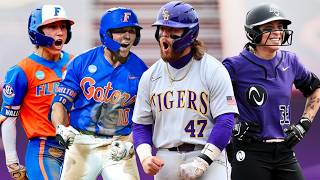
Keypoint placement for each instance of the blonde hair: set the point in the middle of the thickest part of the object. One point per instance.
(198, 49)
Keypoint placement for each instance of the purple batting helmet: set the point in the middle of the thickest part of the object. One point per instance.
(177, 14)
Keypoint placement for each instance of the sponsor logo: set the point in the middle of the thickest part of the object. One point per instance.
(240, 156)
(256, 96)
(155, 78)
(285, 68)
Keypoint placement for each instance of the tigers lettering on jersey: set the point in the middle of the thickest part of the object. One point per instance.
(101, 94)
(184, 99)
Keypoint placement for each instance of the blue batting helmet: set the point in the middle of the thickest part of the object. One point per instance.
(116, 18)
(45, 15)
(178, 14)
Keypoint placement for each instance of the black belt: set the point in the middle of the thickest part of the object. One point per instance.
(185, 147)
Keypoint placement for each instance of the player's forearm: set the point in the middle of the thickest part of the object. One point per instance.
(59, 114)
(312, 105)
(9, 133)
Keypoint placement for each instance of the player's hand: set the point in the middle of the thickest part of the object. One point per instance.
(296, 132)
(152, 165)
(193, 170)
(17, 171)
(121, 150)
(65, 135)
(246, 131)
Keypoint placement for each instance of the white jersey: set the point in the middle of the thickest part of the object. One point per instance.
(183, 110)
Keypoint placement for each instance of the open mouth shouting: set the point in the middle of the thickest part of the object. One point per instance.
(58, 44)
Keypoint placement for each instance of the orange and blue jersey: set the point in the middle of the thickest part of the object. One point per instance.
(28, 91)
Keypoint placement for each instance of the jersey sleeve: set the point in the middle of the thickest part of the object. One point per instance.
(71, 78)
(221, 97)
(228, 65)
(302, 75)
(142, 113)
(14, 90)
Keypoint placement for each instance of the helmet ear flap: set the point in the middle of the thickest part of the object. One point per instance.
(138, 35)
(254, 34)
(258, 35)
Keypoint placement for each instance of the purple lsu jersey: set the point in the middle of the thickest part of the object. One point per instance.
(263, 89)
(103, 96)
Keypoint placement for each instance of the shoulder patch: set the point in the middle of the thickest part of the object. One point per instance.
(8, 91)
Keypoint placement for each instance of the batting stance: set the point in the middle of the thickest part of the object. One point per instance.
(28, 92)
(99, 89)
(185, 103)
(263, 77)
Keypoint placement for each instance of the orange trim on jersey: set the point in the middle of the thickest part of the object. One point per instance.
(42, 85)
(41, 163)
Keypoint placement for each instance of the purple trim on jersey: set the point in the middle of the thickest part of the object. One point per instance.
(141, 134)
(222, 130)
(180, 63)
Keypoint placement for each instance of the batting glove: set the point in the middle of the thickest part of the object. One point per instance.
(200, 164)
(121, 150)
(246, 131)
(65, 135)
(17, 171)
(296, 132)
(194, 169)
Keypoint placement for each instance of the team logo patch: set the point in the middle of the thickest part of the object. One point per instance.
(55, 152)
(8, 91)
(126, 16)
(40, 75)
(256, 95)
(165, 15)
(240, 156)
(274, 10)
(92, 68)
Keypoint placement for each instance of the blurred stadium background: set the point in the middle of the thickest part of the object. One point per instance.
(221, 28)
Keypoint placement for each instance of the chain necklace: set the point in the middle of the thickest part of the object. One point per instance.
(180, 79)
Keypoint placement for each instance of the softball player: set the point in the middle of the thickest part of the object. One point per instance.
(185, 104)
(28, 92)
(100, 89)
(263, 77)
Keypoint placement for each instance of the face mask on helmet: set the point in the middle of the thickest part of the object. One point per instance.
(264, 14)
(116, 18)
(177, 14)
(45, 15)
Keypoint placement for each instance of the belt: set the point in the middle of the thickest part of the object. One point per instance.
(251, 140)
(185, 147)
(272, 140)
(95, 134)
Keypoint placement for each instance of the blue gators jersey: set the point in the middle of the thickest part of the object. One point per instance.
(105, 96)
(263, 89)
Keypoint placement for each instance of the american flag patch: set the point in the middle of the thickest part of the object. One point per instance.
(231, 100)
